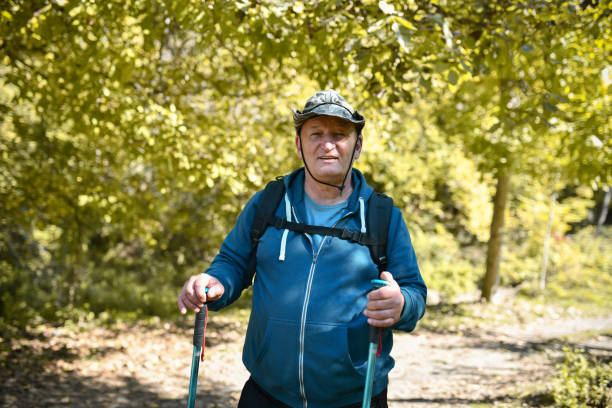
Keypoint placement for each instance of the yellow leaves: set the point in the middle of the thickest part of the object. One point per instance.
(472, 195)
(584, 192)
(255, 177)
(75, 11)
(210, 182)
(91, 10)
(298, 7)
(6, 15)
(265, 12)
(376, 27)
(448, 35)
(404, 23)
(606, 76)
(594, 141)
(84, 199)
(386, 7)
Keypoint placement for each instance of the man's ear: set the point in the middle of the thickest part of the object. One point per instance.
(297, 146)
(359, 146)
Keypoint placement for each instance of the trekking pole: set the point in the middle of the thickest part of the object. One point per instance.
(375, 333)
(198, 340)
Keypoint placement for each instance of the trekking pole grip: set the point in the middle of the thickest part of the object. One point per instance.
(374, 334)
(198, 330)
(200, 323)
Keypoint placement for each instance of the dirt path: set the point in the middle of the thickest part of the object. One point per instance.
(144, 367)
(508, 365)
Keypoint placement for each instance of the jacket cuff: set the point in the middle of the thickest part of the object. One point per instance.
(414, 309)
(220, 303)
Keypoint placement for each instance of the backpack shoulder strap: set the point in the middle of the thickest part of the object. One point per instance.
(378, 218)
(268, 203)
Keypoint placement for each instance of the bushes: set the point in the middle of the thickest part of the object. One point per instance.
(445, 266)
(581, 271)
(582, 381)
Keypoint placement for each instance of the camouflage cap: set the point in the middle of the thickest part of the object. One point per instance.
(327, 103)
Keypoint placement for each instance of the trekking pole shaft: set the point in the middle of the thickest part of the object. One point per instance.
(198, 338)
(193, 381)
(373, 347)
(375, 334)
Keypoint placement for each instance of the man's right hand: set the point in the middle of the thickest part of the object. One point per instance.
(193, 295)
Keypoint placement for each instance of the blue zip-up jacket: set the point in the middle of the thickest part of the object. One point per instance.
(307, 338)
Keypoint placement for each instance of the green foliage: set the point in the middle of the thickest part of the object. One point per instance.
(444, 265)
(582, 381)
(581, 271)
(13, 297)
(133, 132)
(526, 226)
(519, 101)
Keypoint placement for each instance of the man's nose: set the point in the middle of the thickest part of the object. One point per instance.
(328, 142)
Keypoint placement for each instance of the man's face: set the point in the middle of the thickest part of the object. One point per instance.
(327, 143)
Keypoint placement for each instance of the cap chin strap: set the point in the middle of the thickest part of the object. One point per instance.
(340, 187)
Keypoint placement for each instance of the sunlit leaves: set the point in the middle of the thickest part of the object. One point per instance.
(138, 129)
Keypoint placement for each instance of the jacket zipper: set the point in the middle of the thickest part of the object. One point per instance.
(315, 256)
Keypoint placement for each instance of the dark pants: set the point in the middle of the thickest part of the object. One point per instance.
(253, 396)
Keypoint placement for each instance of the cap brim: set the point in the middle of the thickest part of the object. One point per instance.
(327, 110)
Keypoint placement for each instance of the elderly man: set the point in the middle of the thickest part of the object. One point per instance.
(307, 338)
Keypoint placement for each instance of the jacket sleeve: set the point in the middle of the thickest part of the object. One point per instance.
(231, 263)
(403, 266)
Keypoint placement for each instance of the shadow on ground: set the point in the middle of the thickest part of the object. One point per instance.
(70, 390)
(35, 372)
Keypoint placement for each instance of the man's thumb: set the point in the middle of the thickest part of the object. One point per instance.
(387, 276)
(215, 291)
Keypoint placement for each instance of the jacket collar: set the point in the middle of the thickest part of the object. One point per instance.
(294, 184)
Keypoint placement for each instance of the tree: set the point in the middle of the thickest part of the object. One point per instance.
(525, 69)
(122, 140)
(129, 127)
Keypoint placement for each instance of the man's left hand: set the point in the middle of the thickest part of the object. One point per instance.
(385, 304)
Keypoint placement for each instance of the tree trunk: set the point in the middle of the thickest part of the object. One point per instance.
(604, 209)
(491, 278)
(551, 213)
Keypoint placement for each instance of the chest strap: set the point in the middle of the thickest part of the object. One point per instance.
(342, 233)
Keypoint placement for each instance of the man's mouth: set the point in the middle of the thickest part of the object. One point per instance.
(328, 158)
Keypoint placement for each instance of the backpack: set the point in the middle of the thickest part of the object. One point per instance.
(378, 217)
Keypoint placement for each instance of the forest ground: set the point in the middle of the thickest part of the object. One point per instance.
(469, 356)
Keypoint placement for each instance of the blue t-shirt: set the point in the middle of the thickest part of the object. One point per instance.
(323, 215)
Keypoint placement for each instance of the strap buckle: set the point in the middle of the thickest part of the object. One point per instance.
(280, 223)
(354, 236)
(382, 263)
